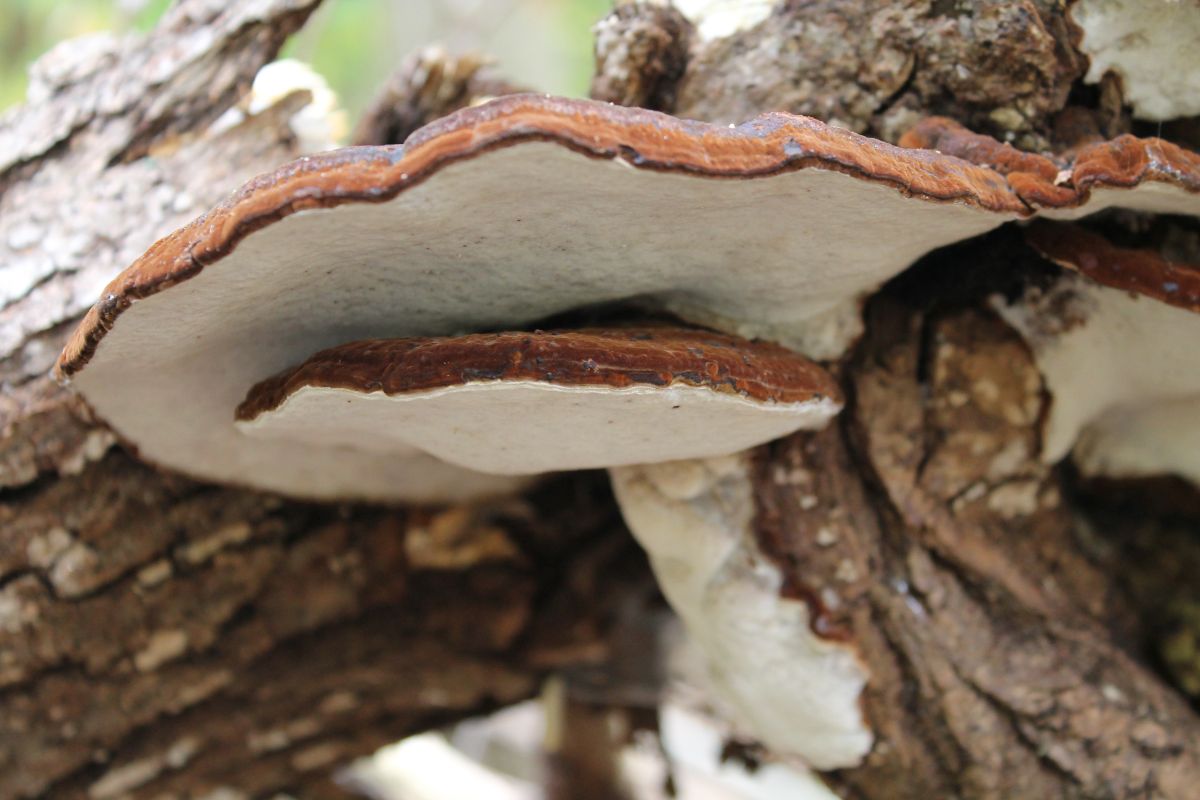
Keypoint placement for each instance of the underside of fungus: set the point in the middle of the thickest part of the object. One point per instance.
(1150, 45)
(1115, 338)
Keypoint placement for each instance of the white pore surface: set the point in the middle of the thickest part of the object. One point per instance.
(792, 690)
(1132, 443)
(527, 427)
(497, 241)
(1154, 197)
(1152, 45)
(1124, 382)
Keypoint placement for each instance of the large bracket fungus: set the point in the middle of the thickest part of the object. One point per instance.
(493, 218)
(421, 264)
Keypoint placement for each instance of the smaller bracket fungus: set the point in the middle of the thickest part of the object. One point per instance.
(1114, 337)
(522, 403)
(1150, 45)
(1111, 336)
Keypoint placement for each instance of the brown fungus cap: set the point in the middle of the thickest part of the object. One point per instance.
(650, 142)
(1142, 174)
(491, 219)
(1141, 270)
(529, 402)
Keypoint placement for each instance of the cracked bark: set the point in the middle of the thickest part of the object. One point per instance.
(874, 66)
(163, 638)
(1000, 648)
(429, 84)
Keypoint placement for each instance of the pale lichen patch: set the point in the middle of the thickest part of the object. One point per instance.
(338, 702)
(201, 550)
(73, 571)
(154, 573)
(1015, 499)
(44, 548)
(317, 756)
(203, 688)
(283, 736)
(162, 647)
(16, 610)
(120, 781)
(457, 539)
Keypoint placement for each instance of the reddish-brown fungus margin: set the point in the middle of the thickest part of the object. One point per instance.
(1143, 271)
(1046, 182)
(610, 358)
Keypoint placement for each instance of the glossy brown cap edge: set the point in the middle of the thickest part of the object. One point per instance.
(1141, 271)
(614, 358)
(1066, 181)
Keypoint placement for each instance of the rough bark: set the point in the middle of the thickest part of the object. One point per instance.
(997, 641)
(163, 638)
(429, 84)
(874, 66)
(641, 53)
(175, 637)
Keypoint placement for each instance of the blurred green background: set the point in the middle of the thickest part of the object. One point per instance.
(545, 44)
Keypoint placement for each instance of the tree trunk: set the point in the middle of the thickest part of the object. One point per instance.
(163, 638)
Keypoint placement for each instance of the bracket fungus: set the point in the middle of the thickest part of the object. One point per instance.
(1150, 45)
(388, 289)
(1114, 337)
(1151, 175)
(519, 403)
(491, 219)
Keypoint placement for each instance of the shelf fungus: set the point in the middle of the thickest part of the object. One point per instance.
(1150, 45)
(361, 324)
(1112, 334)
(492, 219)
(1115, 338)
(524, 403)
